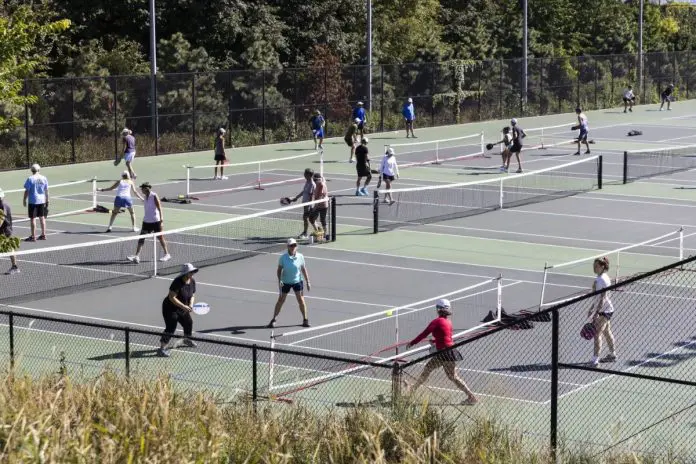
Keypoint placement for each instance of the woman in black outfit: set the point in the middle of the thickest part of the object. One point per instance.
(177, 308)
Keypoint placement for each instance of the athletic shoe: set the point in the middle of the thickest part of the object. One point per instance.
(358, 193)
(13, 270)
(165, 258)
(135, 229)
(414, 136)
(271, 324)
(30, 239)
(661, 109)
(519, 171)
(163, 352)
(224, 178)
(350, 161)
(587, 152)
(321, 147)
(611, 357)
(669, 109)
(392, 202)
(42, 237)
(189, 343)
(502, 168)
(134, 259)
(576, 154)
(108, 230)
(302, 236)
(595, 361)
(305, 323)
(327, 237)
(631, 110)
(364, 191)
(407, 136)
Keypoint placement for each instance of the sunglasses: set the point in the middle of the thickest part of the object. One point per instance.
(292, 246)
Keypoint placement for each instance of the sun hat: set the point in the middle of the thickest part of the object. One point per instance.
(364, 141)
(390, 151)
(513, 121)
(443, 306)
(187, 268)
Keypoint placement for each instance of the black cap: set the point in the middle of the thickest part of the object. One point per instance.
(309, 172)
(146, 185)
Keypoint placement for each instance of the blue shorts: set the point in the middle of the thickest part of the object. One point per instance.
(298, 287)
(318, 133)
(120, 202)
(583, 135)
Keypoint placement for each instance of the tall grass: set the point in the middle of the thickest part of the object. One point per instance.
(114, 420)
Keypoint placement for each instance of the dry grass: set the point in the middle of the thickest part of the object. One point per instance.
(114, 420)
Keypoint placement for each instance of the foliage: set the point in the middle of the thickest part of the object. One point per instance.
(7, 244)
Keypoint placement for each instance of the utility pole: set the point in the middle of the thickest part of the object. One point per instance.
(369, 55)
(524, 39)
(153, 74)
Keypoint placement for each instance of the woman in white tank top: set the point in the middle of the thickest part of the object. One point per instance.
(152, 223)
(123, 199)
(601, 313)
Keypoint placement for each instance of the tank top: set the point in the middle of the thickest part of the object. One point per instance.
(123, 189)
(151, 212)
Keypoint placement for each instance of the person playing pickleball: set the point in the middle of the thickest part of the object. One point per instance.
(601, 312)
(292, 274)
(177, 307)
(6, 229)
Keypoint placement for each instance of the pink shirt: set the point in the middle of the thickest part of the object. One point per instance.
(441, 328)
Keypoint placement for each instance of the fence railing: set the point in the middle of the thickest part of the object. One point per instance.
(79, 119)
(539, 383)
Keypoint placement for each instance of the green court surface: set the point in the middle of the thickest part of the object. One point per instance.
(227, 371)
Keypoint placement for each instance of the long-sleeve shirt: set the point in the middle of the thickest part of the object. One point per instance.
(441, 328)
(409, 112)
(389, 166)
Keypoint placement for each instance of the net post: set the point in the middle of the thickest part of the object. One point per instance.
(600, 163)
(618, 266)
(188, 181)
(321, 163)
(681, 243)
(154, 255)
(625, 167)
(271, 362)
(499, 303)
(333, 219)
(437, 152)
(375, 212)
(258, 177)
(128, 353)
(543, 285)
(553, 438)
(397, 378)
(94, 193)
(483, 142)
(500, 200)
(542, 138)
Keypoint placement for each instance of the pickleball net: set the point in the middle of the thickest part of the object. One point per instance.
(52, 271)
(251, 175)
(643, 164)
(436, 203)
(378, 338)
(430, 152)
(69, 198)
(564, 280)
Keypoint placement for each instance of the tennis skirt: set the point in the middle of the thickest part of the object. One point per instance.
(452, 355)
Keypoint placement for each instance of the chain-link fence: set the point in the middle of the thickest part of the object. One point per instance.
(79, 119)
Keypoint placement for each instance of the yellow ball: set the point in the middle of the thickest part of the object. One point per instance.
(390, 312)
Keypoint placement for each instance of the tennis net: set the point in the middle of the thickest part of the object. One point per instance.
(64, 199)
(52, 271)
(641, 164)
(380, 337)
(624, 262)
(439, 151)
(435, 203)
(200, 180)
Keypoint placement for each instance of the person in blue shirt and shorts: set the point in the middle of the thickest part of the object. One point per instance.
(409, 114)
(359, 113)
(292, 274)
(317, 124)
(36, 194)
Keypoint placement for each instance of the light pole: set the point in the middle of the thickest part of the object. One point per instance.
(153, 75)
(525, 45)
(640, 50)
(369, 55)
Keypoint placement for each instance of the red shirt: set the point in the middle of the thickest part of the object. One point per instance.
(441, 328)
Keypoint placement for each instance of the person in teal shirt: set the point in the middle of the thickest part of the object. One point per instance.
(292, 274)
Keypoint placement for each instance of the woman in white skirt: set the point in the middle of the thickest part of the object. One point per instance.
(388, 171)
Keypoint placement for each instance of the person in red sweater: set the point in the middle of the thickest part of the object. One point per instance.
(441, 329)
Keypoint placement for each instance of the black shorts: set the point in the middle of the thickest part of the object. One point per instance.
(298, 287)
(361, 126)
(389, 178)
(318, 213)
(667, 98)
(306, 212)
(36, 211)
(629, 100)
(606, 316)
(349, 141)
(151, 228)
(220, 157)
(516, 148)
(363, 170)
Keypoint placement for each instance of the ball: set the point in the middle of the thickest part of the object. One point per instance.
(390, 312)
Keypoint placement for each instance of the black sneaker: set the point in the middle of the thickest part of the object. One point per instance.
(305, 323)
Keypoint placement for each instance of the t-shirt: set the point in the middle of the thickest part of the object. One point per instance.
(582, 119)
(308, 191)
(441, 328)
(602, 282)
(6, 220)
(389, 166)
(184, 292)
(628, 93)
(129, 144)
(36, 186)
(352, 130)
(359, 113)
(517, 135)
(317, 122)
(220, 145)
(151, 214)
(668, 91)
(291, 268)
(361, 155)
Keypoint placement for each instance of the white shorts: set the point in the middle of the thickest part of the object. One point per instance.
(128, 156)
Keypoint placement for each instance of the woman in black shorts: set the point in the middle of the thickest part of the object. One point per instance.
(152, 223)
(177, 307)
(362, 166)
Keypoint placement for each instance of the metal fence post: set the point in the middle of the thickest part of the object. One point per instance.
(432, 92)
(254, 375)
(375, 212)
(500, 90)
(480, 77)
(326, 100)
(600, 164)
(554, 385)
(381, 98)
(625, 167)
(26, 121)
(155, 129)
(596, 84)
(263, 105)
(193, 110)
(577, 65)
(12, 344)
(333, 219)
(127, 339)
(115, 87)
(72, 119)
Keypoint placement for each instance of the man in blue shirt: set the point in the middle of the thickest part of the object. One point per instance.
(359, 113)
(409, 113)
(292, 274)
(317, 124)
(36, 192)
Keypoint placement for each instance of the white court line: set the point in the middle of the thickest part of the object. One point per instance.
(628, 369)
(677, 138)
(632, 221)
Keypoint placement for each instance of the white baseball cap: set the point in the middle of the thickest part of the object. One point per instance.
(35, 167)
(442, 303)
(126, 131)
(364, 140)
(360, 103)
(390, 151)
(410, 100)
(125, 174)
(222, 130)
(513, 121)
(2, 194)
(292, 241)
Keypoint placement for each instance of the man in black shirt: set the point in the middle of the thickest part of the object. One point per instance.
(666, 96)
(517, 136)
(177, 308)
(6, 228)
(362, 166)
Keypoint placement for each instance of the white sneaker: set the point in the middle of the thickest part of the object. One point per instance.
(595, 361)
(302, 236)
(134, 259)
(215, 178)
(224, 178)
(135, 229)
(165, 258)
(13, 270)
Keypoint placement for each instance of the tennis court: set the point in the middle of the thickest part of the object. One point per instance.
(543, 250)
